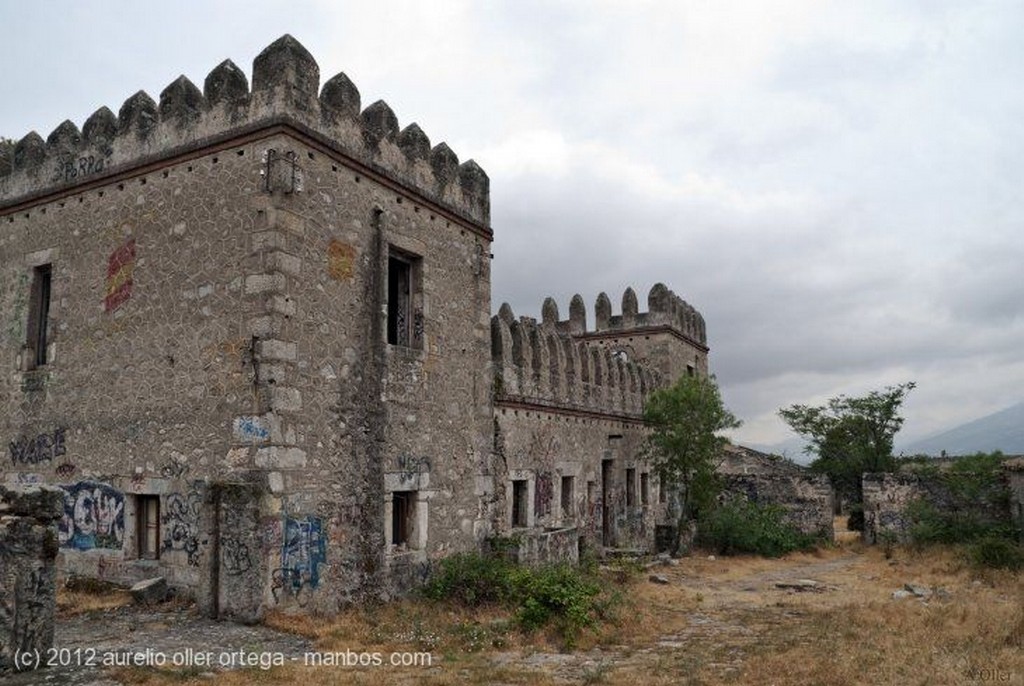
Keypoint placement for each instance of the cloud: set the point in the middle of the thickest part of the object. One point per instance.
(834, 185)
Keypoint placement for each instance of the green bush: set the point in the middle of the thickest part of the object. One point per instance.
(562, 595)
(978, 497)
(741, 526)
(996, 552)
(472, 579)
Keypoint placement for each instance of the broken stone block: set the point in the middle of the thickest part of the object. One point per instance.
(918, 591)
(657, 579)
(150, 591)
(901, 594)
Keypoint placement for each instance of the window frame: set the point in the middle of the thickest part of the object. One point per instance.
(37, 327)
(147, 521)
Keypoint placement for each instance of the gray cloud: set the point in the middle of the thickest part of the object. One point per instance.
(835, 186)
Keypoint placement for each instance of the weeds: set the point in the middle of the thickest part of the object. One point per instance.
(566, 597)
(741, 526)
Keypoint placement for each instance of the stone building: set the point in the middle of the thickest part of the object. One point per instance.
(248, 332)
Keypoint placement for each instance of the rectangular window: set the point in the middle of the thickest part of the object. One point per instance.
(403, 509)
(568, 497)
(661, 490)
(520, 493)
(39, 316)
(147, 526)
(645, 489)
(630, 487)
(691, 370)
(405, 316)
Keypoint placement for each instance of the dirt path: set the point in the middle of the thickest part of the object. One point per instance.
(739, 609)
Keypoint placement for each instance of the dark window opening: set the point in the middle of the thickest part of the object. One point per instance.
(519, 501)
(147, 526)
(645, 489)
(405, 319)
(630, 487)
(661, 490)
(39, 315)
(691, 370)
(403, 507)
(568, 496)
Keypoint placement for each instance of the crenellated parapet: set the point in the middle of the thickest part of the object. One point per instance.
(665, 309)
(286, 92)
(544, 363)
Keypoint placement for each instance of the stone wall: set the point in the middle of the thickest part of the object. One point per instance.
(28, 548)
(886, 497)
(568, 417)
(217, 339)
(807, 498)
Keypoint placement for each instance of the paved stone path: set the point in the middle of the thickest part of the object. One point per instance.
(180, 634)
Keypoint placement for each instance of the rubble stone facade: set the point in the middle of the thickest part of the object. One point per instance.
(248, 332)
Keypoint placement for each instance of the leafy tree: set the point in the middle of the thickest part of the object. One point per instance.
(684, 444)
(851, 436)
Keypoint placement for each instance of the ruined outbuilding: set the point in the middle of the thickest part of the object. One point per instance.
(248, 333)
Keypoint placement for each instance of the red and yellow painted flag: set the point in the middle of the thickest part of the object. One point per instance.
(119, 276)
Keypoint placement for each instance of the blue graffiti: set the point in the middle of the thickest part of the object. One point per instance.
(303, 550)
(93, 517)
(251, 429)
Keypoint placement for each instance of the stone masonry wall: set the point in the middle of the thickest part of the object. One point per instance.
(28, 548)
(568, 418)
(216, 338)
(806, 498)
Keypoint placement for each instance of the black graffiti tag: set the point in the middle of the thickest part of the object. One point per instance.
(42, 448)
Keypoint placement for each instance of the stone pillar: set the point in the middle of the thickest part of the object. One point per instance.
(28, 570)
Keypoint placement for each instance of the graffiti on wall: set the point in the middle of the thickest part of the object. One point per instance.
(173, 469)
(70, 168)
(236, 557)
(93, 517)
(543, 494)
(303, 550)
(120, 268)
(411, 465)
(181, 524)
(43, 448)
(65, 470)
(251, 429)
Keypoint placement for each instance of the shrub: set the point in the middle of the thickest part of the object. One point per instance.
(472, 579)
(975, 515)
(997, 552)
(562, 595)
(741, 526)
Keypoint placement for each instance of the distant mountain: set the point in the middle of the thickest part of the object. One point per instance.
(1003, 430)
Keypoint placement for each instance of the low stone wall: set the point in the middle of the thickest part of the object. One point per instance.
(550, 547)
(807, 498)
(28, 552)
(886, 497)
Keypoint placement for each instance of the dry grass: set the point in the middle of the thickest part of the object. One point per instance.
(720, 621)
(76, 602)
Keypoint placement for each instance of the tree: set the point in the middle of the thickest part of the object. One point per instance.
(851, 436)
(684, 444)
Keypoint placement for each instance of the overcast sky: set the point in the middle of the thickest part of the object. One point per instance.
(837, 186)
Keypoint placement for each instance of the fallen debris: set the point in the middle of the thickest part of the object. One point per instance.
(150, 591)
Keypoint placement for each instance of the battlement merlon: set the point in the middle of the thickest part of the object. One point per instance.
(665, 309)
(285, 92)
(540, 365)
